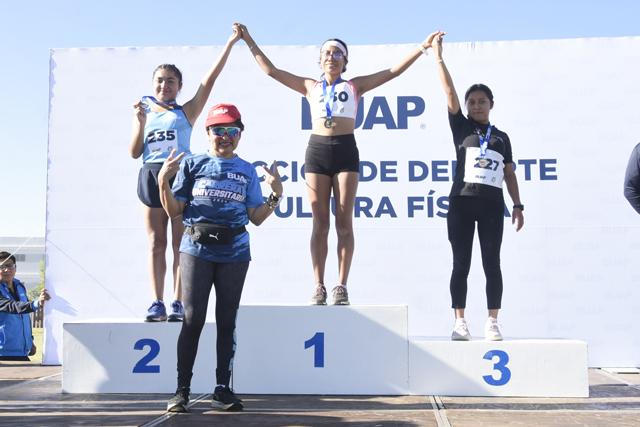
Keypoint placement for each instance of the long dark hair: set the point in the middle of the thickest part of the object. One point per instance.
(481, 87)
(169, 67)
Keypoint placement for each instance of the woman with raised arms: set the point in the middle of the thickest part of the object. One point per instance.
(484, 161)
(161, 125)
(332, 163)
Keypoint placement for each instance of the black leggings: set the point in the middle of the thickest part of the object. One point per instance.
(464, 211)
(197, 277)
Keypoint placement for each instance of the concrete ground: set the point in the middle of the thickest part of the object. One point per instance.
(30, 396)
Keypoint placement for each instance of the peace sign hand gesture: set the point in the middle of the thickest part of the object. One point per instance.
(272, 177)
(170, 166)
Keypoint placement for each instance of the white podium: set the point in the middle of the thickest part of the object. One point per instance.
(280, 349)
(520, 367)
(321, 350)
(131, 357)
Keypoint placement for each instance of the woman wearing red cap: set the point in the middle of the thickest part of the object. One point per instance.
(332, 159)
(216, 194)
(159, 126)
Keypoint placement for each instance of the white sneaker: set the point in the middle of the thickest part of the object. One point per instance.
(492, 330)
(460, 331)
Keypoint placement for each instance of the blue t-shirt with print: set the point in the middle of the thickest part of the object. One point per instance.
(217, 191)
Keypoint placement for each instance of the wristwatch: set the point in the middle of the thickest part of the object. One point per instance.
(273, 201)
(520, 206)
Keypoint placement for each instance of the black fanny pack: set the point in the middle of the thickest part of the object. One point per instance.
(208, 234)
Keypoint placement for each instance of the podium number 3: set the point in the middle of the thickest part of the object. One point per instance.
(143, 367)
(500, 366)
(317, 342)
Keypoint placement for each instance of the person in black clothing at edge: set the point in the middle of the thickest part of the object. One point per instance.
(484, 160)
(632, 179)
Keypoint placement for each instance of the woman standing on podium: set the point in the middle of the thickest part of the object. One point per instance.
(484, 160)
(215, 194)
(332, 163)
(160, 125)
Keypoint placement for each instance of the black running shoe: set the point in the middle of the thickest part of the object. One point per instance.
(225, 399)
(179, 402)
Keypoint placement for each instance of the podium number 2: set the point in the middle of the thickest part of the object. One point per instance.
(317, 342)
(143, 367)
(500, 366)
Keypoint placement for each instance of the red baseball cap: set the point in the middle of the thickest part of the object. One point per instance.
(222, 113)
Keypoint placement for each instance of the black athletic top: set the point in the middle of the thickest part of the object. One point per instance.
(478, 175)
(632, 179)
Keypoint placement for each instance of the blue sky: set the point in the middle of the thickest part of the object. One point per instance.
(31, 28)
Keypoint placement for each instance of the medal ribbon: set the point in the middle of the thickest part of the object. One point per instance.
(328, 100)
(152, 104)
(484, 141)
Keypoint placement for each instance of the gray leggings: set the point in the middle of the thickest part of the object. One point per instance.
(197, 277)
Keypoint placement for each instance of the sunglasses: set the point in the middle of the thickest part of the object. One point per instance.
(336, 55)
(221, 131)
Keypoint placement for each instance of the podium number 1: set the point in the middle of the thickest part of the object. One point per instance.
(317, 342)
(500, 366)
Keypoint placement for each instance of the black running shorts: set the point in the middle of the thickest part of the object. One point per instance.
(148, 188)
(329, 155)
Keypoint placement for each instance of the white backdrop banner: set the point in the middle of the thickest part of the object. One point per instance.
(569, 107)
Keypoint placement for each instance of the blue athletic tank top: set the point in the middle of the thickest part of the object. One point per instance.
(167, 128)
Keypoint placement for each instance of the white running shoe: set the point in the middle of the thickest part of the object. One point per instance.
(319, 295)
(461, 331)
(340, 295)
(492, 330)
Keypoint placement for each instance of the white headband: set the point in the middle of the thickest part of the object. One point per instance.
(334, 43)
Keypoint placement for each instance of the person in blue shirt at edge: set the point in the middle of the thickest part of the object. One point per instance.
(159, 126)
(215, 194)
(332, 159)
(484, 161)
(16, 341)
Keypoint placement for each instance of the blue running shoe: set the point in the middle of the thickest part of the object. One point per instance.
(157, 312)
(177, 312)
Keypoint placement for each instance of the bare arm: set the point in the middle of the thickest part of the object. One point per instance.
(172, 206)
(262, 212)
(136, 146)
(372, 81)
(453, 103)
(299, 84)
(194, 107)
(259, 214)
(511, 180)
